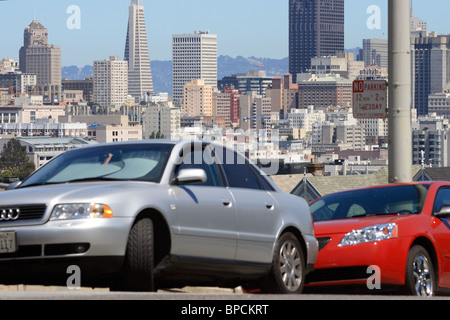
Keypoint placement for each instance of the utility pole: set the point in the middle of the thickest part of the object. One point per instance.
(400, 136)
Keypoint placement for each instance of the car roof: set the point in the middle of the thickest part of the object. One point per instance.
(391, 185)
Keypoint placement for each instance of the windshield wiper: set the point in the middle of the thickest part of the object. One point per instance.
(92, 179)
(368, 215)
(36, 184)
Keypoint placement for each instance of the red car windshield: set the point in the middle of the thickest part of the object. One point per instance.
(401, 199)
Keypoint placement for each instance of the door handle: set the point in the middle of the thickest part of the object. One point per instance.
(227, 203)
(270, 206)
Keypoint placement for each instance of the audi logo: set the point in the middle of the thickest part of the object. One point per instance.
(9, 214)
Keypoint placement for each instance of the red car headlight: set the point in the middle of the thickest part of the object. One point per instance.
(370, 234)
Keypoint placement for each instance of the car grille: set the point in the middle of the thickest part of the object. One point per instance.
(21, 213)
(323, 242)
(336, 274)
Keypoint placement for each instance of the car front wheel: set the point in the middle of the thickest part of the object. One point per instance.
(138, 270)
(288, 267)
(420, 274)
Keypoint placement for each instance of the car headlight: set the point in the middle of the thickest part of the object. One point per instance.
(81, 211)
(370, 234)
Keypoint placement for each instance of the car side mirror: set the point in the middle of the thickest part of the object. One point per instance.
(13, 185)
(444, 212)
(187, 176)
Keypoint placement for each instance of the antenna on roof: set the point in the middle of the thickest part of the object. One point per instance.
(35, 10)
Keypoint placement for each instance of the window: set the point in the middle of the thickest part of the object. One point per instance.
(408, 199)
(238, 172)
(442, 199)
(198, 159)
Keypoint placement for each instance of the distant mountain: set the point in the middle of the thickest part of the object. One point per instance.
(162, 70)
(227, 65)
(75, 73)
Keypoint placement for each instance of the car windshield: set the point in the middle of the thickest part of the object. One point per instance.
(141, 162)
(404, 199)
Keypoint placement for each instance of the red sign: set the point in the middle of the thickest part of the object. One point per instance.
(370, 99)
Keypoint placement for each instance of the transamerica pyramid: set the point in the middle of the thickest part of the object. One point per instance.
(140, 80)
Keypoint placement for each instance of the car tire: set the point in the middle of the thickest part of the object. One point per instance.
(287, 274)
(420, 273)
(138, 269)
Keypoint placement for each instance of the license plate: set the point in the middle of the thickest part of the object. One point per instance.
(7, 242)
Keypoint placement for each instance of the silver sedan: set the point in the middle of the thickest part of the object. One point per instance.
(138, 216)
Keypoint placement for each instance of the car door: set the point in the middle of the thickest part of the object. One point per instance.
(441, 232)
(258, 215)
(206, 213)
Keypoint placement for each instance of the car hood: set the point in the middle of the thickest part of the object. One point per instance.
(344, 226)
(80, 191)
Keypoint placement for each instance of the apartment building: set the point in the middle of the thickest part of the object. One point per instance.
(110, 82)
(162, 117)
(323, 92)
(198, 98)
(194, 56)
(108, 128)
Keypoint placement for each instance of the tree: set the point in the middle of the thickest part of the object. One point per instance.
(14, 161)
(158, 135)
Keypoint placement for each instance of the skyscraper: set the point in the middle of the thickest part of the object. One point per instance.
(375, 52)
(110, 82)
(316, 28)
(430, 66)
(44, 60)
(140, 80)
(194, 58)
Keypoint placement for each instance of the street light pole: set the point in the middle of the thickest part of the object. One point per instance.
(400, 136)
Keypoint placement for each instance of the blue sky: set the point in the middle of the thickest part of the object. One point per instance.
(244, 27)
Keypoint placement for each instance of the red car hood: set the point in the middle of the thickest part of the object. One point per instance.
(344, 226)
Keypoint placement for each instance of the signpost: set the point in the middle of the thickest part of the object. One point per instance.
(370, 99)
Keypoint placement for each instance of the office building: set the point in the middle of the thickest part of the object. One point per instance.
(373, 73)
(107, 128)
(140, 80)
(342, 65)
(41, 150)
(44, 60)
(439, 103)
(194, 56)
(110, 82)
(18, 82)
(323, 92)
(430, 58)
(255, 111)
(305, 118)
(431, 145)
(375, 52)
(253, 80)
(86, 85)
(316, 29)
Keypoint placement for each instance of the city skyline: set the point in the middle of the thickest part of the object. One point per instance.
(242, 28)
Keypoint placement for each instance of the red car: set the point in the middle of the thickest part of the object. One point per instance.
(394, 235)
